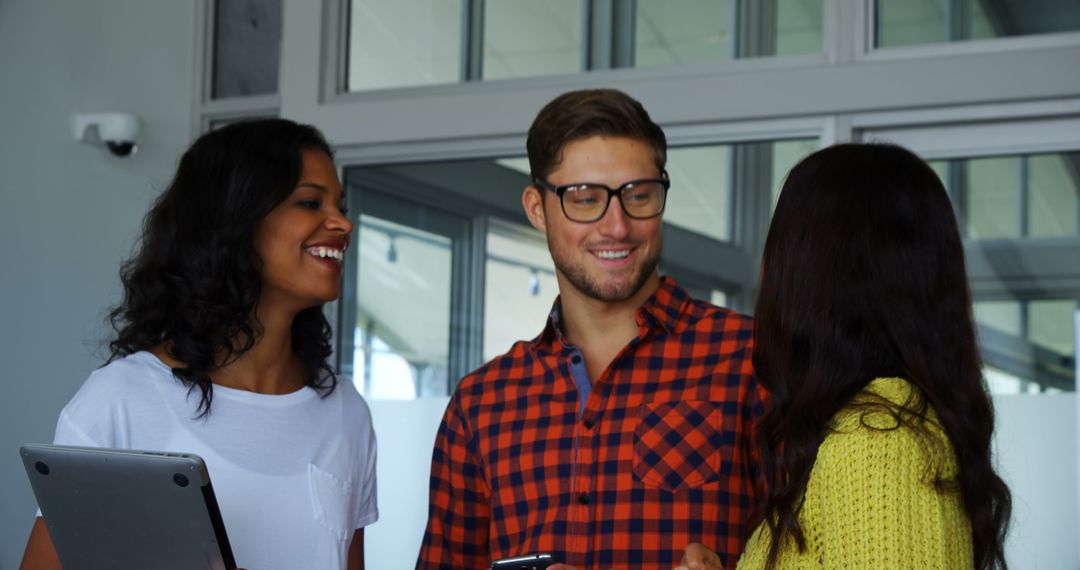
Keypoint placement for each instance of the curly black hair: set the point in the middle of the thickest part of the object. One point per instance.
(194, 280)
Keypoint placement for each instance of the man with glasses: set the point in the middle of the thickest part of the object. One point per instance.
(620, 436)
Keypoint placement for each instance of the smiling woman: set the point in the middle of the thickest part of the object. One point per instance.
(221, 350)
(302, 241)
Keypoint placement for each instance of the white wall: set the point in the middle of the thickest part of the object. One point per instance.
(1036, 443)
(406, 433)
(69, 211)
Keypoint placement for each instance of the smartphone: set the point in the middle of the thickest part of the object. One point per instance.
(529, 562)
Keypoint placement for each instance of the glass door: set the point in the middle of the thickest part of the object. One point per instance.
(407, 326)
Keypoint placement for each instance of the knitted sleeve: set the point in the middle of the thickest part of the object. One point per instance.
(881, 507)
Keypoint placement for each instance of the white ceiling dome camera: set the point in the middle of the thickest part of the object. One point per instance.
(119, 132)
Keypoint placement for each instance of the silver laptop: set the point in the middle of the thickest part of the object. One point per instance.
(116, 508)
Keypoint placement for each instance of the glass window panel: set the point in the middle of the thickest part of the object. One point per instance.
(1004, 316)
(910, 22)
(247, 46)
(993, 197)
(1031, 341)
(695, 31)
(798, 27)
(401, 347)
(1015, 196)
(1028, 343)
(700, 196)
(519, 286)
(690, 31)
(401, 44)
(518, 164)
(941, 168)
(786, 154)
(1002, 383)
(1050, 325)
(524, 38)
(1053, 191)
(976, 23)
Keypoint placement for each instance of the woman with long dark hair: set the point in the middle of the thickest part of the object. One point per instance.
(221, 350)
(876, 446)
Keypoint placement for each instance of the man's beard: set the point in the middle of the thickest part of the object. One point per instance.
(579, 277)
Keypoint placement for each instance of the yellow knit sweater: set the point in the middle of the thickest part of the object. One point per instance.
(870, 501)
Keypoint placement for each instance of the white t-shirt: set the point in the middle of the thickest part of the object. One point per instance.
(294, 474)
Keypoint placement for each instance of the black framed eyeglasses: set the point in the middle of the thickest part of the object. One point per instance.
(588, 202)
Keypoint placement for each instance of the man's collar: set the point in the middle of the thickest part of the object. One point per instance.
(664, 308)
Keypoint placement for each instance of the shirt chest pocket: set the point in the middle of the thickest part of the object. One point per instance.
(679, 445)
(331, 501)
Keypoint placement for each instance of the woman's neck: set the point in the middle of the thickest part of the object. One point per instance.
(268, 367)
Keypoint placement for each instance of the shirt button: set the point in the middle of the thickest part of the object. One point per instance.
(588, 424)
(583, 498)
(576, 359)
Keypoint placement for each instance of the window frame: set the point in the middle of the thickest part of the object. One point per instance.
(206, 110)
(999, 92)
(867, 12)
(467, 266)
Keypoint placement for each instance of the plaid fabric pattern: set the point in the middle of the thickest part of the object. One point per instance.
(678, 445)
(660, 456)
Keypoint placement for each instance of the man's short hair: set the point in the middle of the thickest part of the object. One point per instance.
(586, 113)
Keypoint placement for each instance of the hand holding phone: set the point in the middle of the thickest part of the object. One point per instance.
(528, 562)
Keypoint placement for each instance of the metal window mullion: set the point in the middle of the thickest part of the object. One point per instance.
(847, 29)
(337, 51)
(1023, 205)
(1023, 305)
(467, 301)
(211, 50)
(348, 300)
(751, 181)
(956, 171)
(624, 30)
(837, 129)
(476, 288)
(735, 8)
(958, 20)
(208, 48)
(472, 40)
(609, 34)
(596, 31)
(872, 23)
(1025, 384)
(1069, 158)
(206, 20)
(755, 28)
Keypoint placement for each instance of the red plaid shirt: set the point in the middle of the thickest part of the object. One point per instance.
(659, 457)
